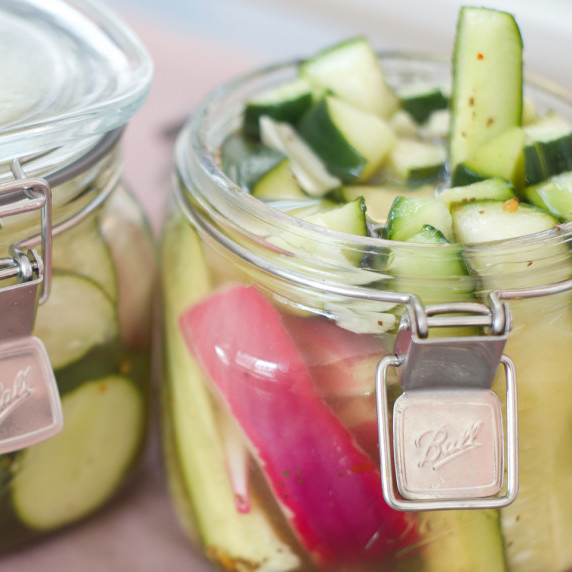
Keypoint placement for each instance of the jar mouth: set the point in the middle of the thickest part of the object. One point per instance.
(222, 203)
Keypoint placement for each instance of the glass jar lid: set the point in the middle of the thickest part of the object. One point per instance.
(68, 70)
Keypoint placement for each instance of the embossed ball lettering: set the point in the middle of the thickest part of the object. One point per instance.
(11, 396)
(438, 448)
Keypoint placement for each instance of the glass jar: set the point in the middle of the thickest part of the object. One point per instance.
(272, 388)
(76, 268)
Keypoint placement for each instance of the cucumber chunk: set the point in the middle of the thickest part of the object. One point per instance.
(554, 195)
(445, 267)
(492, 189)
(408, 216)
(352, 143)
(286, 102)
(403, 125)
(247, 172)
(350, 70)
(379, 198)
(429, 235)
(548, 148)
(278, 184)
(348, 218)
(310, 172)
(437, 126)
(502, 156)
(484, 221)
(415, 162)
(487, 80)
(65, 478)
(77, 316)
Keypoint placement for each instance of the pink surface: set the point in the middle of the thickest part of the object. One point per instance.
(139, 533)
(186, 69)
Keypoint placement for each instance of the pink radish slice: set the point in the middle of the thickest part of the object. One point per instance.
(328, 487)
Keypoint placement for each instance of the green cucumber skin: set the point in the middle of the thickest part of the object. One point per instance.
(248, 173)
(534, 169)
(487, 80)
(553, 195)
(464, 175)
(289, 112)
(318, 130)
(246, 161)
(422, 106)
(543, 160)
(556, 155)
(358, 82)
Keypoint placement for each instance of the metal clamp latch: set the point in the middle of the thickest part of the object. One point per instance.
(449, 449)
(30, 408)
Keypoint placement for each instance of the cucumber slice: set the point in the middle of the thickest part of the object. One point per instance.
(237, 148)
(278, 184)
(492, 189)
(409, 215)
(83, 250)
(352, 143)
(487, 80)
(415, 162)
(420, 101)
(554, 195)
(502, 156)
(378, 199)
(227, 535)
(501, 267)
(306, 166)
(350, 70)
(548, 148)
(484, 221)
(65, 478)
(77, 317)
(287, 102)
(248, 170)
(348, 218)
(446, 268)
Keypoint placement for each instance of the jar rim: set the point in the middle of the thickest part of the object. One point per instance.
(76, 70)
